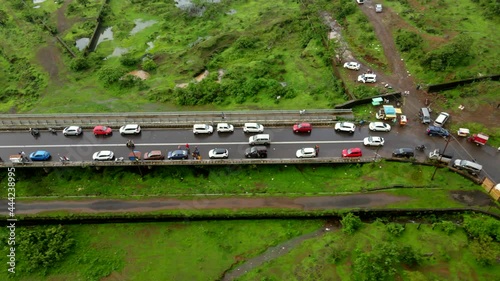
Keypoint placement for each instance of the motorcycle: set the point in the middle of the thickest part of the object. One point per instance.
(130, 144)
(420, 147)
(53, 131)
(34, 132)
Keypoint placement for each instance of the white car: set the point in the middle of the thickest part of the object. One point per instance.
(352, 65)
(218, 153)
(202, 129)
(72, 131)
(367, 78)
(360, 1)
(378, 8)
(345, 127)
(225, 128)
(103, 155)
(379, 127)
(373, 141)
(308, 152)
(130, 129)
(253, 128)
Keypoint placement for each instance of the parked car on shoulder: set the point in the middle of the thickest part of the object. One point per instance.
(225, 128)
(202, 129)
(40, 155)
(360, 1)
(367, 78)
(253, 128)
(437, 131)
(441, 119)
(352, 152)
(373, 141)
(103, 155)
(256, 152)
(469, 166)
(302, 128)
(130, 129)
(352, 65)
(379, 127)
(154, 155)
(102, 131)
(218, 153)
(72, 131)
(307, 152)
(179, 154)
(378, 8)
(345, 127)
(403, 152)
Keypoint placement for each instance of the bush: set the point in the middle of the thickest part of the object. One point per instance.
(110, 75)
(453, 54)
(485, 251)
(395, 229)
(408, 41)
(128, 60)
(409, 256)
(43, 247)
(149, 65)
(447, 227)
(350, 223)
(482, 226)
(378, 264)
(79, 64)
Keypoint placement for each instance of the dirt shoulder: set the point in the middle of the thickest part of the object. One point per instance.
(234, 203)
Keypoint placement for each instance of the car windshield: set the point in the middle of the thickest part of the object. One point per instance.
(104, 128)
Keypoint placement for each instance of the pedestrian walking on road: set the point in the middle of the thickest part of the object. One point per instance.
(317, 150)
(223, 116)
(187, 147)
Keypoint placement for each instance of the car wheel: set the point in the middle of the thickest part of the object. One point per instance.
(295, 131)
(65, 134)
(95, 134)
(122, 134)
(337, 130)
(195, 133)
(308, 132)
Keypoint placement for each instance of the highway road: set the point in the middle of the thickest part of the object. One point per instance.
(284, 143)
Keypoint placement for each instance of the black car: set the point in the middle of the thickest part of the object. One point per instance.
(403, 152)
(437, 131)
(256, 152)
(178, 154)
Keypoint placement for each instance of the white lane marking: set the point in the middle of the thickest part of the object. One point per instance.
(173, 144)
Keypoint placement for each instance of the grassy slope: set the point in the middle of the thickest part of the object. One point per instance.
(233, 180)
(167, 251)
(451, 258)
(179, 62)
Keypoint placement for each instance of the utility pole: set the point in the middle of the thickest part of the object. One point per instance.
(448, 139)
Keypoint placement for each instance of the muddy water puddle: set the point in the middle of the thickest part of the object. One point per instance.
(141, 25)
(82, 43)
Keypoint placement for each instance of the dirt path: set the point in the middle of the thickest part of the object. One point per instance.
(235, 203)
(274, 253)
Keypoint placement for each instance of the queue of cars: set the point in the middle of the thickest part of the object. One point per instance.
(259, 141)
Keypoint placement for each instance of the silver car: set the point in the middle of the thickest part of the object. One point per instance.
(72, 131)
(103, 155)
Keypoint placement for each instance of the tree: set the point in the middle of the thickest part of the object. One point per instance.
(408, 41)
(378, 264)
(3, 17)
(110, 75)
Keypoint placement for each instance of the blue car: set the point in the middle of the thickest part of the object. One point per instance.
(178, 154)
(437, 131)
(40, 155)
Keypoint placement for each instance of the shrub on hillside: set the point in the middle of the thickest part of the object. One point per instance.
(149, 65)
(456, 53)
(395, 229)
(350, 223)
(110, 75)
(79, 64)
(43, 247)
(128, 60)
(408, 41)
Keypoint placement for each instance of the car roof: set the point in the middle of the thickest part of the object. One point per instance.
(154, 152)
(218, 150)
(180, 151)
(200, 125)
(105, 152)
(72, 127)
(308, 149)
(128, 126)
(375, 138)
(355, 149)
(252, 124)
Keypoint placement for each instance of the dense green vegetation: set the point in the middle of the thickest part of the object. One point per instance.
(161, 251)
(442, 250)
(251, 179)
(432, 248)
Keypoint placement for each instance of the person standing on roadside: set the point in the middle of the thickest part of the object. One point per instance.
(187, 147)
(317, 150)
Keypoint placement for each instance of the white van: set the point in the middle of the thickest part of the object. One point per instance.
(442, 118)
(467, 165)
(202, 129)
(262, 139)
(425, 116)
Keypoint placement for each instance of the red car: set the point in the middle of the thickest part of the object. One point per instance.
(102, 130)
(302, 128)
(352, 152)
